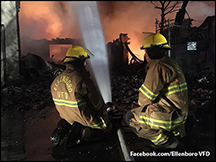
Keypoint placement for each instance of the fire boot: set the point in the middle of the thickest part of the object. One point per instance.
(74, 135)
(58, 134)
(172, 143)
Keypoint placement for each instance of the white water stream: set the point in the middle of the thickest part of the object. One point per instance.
(92, 34)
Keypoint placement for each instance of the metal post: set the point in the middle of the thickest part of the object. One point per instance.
(156, 22)
(169, 38)
(3, 55)
(18, 32)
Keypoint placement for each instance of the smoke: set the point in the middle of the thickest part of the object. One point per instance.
(47, 19)
(33, 20)
(132, 17)
(55, 19)
(129, 17)
(200, 10)
(51, 19)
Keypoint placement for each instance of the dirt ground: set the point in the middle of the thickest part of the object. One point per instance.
(38, 129)
(40, 124)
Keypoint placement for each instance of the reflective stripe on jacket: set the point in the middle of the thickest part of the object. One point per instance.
(77, 99)
(163, 97)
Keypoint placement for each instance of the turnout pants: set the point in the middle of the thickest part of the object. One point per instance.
(154, 124)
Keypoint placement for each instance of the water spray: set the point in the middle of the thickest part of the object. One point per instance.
(92, 34)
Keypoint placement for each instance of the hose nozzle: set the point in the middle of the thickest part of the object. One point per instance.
(109, 109)
(109, 106)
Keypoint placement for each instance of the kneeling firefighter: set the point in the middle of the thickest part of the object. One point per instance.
(78, 102)
(163, 97)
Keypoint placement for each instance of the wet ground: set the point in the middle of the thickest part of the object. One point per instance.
(27, 124)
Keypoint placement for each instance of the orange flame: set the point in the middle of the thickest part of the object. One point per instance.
(43, 19)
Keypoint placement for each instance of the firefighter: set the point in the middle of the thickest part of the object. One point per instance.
(78, 102)
(163, 97)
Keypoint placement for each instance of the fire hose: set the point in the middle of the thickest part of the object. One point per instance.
(121, 136)
(124, 147)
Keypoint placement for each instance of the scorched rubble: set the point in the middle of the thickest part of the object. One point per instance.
(35, 94)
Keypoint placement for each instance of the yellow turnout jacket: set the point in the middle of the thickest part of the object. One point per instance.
(77, 99)
(163, 100)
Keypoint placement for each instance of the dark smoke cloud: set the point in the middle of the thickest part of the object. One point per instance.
(56, 19)
(67, 19)
(61, 8)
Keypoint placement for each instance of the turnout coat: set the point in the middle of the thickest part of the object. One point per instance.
(77, 98)
(163, 100)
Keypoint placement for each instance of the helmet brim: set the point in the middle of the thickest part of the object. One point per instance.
(165, 46)
(70, 59)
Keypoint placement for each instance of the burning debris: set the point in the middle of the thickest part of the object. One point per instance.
(40, 74)
(124, 89)
(35, 94)
(119, 54)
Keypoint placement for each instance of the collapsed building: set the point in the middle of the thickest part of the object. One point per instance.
(192, 48)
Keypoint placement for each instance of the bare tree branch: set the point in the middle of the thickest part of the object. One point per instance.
(165, 7)
(178, 2)
(172, 7)
(152, 2)
(158, 7)
(174, 10)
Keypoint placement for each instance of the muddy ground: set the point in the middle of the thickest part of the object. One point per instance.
(28, 118)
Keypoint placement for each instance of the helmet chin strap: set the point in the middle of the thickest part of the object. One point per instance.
(77, 58)
(160, 45)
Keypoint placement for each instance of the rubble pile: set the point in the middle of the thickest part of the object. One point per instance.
(201, 92)
(33, 93)
(200, 124)
(201, 95)
(125, 89)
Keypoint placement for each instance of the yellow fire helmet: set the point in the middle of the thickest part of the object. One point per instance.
(155, 39)
(76, 52)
